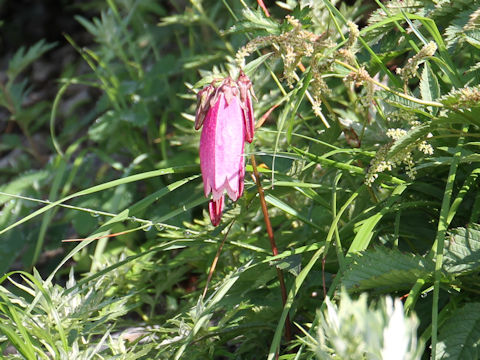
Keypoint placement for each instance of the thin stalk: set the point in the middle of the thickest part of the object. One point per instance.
(272, 74)
(396, 227)
(338, 247)
(33, 145)
(399, 28)
(437, 247)
(215, 260)
(475, 215)
(109, 235)
(440, 242)
(271, 237)
(264, 8)
(94, 212)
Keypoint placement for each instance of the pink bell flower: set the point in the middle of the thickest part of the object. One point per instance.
(226, 114)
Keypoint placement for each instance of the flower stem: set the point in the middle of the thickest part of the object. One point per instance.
(268, 225)
(215, 260)
(264, 8)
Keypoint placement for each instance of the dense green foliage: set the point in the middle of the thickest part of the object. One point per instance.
(368, 121)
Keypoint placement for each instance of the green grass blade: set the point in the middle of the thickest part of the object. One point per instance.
(105, 186)
(365, 234)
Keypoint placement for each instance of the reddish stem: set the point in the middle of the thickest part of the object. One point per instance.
(264, 8)
(265, 116)
(98, 237)
(268, 225)
(215, 260)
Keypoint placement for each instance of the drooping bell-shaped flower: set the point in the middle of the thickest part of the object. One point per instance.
(226, 114)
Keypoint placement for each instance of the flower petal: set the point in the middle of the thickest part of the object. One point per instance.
(207, 149)
(246, 91)
(215, 208)
(249, 119)
(226, 112)
(203, 103)
(230, 134)
(221, 148)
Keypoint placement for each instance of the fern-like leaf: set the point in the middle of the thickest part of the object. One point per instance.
(23, 58)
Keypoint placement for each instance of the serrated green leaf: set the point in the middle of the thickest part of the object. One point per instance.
(385, 270)
(292, 264)
(462, 249)
(401, 103)
(258, 20)
(459, 336)
(461, 116)
(410, 138)
(429, 87)
(473, 37)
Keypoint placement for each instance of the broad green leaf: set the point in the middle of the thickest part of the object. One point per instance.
(459, 336)
(429, 87)
(384, 270)
(462, 250)
(292, 264)
(402, 103)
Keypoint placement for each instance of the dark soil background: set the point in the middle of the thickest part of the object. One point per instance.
(28, 21)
